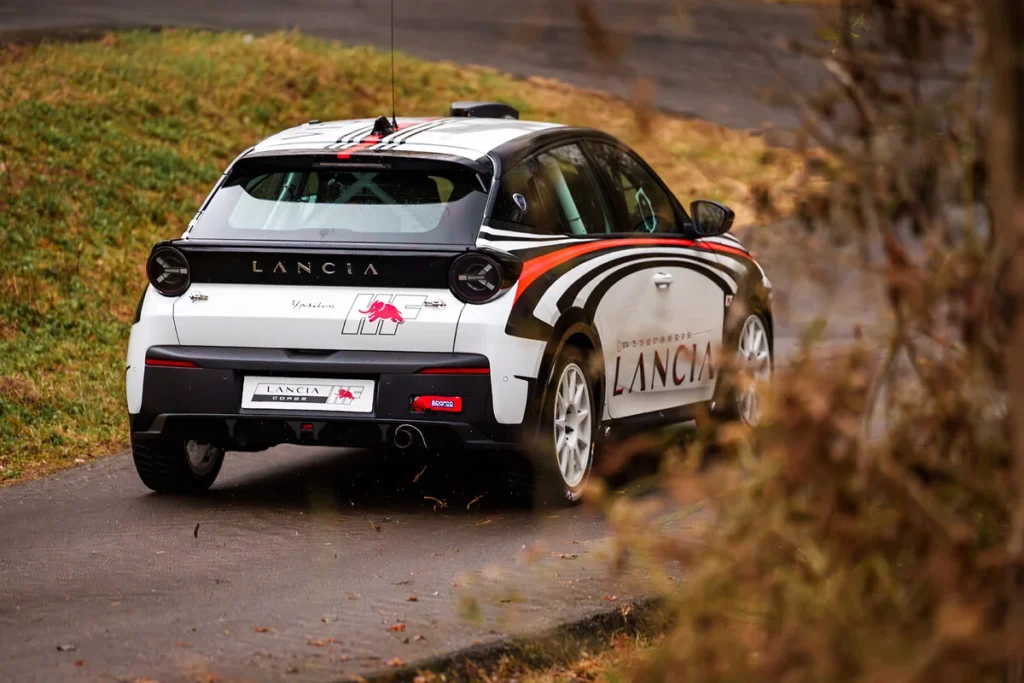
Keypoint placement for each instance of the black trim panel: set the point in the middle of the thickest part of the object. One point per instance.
(205, 403)
(306, 362)
(256, 265)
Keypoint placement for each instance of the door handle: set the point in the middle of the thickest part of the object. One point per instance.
(662, 280)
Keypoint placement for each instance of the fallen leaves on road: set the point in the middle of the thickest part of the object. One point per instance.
(413, 598)
(321, 642)
(610, 598)
(79, 662)
(262, 629)
(438, 503)
(420, 638)
(625, 610)
(417, 477)
(143, 679)
(396, 662)
(397, 628)
(67, 647)
(376, 527)
(195, 532)
(352, 596)
(566, 556)
(486, 521)
(470, 504)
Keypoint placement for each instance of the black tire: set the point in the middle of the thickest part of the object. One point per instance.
(550, 486)
(164, 466)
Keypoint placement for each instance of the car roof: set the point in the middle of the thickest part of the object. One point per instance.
(467, 137)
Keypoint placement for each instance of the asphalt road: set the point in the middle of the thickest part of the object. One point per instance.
(718, 60)
(302, 562)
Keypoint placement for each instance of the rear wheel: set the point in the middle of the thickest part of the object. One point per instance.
(752, 367)
(172, 466)
(568, 432)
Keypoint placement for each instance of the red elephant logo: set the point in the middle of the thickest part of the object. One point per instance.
(345, 393)
(380, 310)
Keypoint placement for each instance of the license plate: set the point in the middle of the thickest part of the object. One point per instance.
(314, 395)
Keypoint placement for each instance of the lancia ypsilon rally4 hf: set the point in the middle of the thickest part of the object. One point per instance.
(460, 283)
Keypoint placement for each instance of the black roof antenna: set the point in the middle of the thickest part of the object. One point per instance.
(394, 117)
(382, 127)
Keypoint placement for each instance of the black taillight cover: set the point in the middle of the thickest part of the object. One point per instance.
(478, 277)
(168, 271)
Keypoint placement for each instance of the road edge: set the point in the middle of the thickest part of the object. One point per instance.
(558, 644)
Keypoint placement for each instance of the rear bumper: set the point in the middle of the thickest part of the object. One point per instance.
(204, 402)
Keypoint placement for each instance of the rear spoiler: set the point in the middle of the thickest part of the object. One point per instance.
(482, 165)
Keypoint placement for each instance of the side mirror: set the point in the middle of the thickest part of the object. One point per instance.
(710, 218)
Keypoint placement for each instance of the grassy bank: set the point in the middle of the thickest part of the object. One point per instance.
(109, 146)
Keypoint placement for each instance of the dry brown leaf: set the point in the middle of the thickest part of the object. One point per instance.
(438, 503)
(397, 628)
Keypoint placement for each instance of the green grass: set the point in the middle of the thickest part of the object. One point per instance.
(107, 147)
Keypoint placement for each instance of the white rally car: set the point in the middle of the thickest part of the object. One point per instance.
(470, 282)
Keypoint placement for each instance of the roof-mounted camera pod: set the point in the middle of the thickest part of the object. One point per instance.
(484, 110)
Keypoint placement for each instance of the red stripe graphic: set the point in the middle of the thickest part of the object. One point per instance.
(534, 268)
(373, 140)
(366, 143)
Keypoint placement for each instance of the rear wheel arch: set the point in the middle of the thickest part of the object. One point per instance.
(572, 330)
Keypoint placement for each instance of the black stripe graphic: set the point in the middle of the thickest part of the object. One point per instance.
(537, 288)
(487, 232)
(356, 135)
(595, 298)
(569, 296)
(404, 136)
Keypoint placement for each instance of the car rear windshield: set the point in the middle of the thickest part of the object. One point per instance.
(413, 201)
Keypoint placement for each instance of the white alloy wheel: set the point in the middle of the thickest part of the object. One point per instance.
(573, 425)
(202, 457)
(754, 359)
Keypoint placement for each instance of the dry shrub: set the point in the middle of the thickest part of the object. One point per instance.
(872, 528)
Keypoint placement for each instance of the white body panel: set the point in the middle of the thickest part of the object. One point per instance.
(482, 330)
(660, 343)
(323, 318)
(155, 328)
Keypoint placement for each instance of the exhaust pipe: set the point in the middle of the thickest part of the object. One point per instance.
(407, 435)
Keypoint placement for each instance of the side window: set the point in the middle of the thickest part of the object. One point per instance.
(524, 198)
(638, 195)
(575, 189)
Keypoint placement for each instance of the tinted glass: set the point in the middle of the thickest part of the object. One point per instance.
(524, 198)
(568, 174)
(639, 196)
(438, 203)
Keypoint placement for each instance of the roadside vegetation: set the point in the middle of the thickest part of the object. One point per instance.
(108, 146)
(872, 527)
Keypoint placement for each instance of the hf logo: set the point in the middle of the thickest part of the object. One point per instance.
(373, 314)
